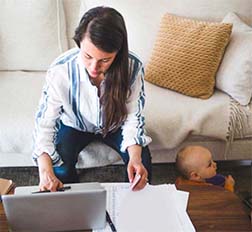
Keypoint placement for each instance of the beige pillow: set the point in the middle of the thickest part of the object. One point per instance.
(32, 34)
(186, 55)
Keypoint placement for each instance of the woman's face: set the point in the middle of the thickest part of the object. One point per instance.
(96, 61)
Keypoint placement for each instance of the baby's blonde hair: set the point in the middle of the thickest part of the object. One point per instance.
(181, 163)
(184, 160)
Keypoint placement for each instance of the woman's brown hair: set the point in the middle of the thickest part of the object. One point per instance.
(106, 28)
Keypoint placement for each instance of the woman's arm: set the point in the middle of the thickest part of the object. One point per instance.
(133, 127)
(44, 154)
(49, 112)
(134, 137)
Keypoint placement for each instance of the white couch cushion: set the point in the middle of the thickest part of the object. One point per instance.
(32, 34)
(19, 97)
(235, 72)
(72, 13)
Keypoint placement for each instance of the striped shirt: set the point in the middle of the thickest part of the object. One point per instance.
(69, 96)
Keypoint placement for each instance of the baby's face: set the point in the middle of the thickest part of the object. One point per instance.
(207, 167)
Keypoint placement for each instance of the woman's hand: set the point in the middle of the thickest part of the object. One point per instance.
(48, 180)
(136, 167)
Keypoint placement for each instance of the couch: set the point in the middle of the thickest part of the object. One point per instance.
(33, 33)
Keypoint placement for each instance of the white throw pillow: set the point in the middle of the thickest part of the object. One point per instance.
(235, 72)
(32, 33)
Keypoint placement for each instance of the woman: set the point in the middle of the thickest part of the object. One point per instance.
(92, 93)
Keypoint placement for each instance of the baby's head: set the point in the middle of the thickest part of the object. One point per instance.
(196, 163)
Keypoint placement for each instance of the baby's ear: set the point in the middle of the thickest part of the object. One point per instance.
(194, 176)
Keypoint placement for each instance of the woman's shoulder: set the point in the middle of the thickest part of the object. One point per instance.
(135, 66)
(65, 57)
(59, 68)
(133, 58)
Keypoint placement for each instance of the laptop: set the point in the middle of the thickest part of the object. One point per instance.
(79, 207)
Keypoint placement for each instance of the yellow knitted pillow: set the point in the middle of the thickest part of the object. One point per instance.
(187, 54)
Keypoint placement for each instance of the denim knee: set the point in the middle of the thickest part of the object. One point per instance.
(66, 174)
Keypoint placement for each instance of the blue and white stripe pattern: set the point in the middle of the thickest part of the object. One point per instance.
(69, 96)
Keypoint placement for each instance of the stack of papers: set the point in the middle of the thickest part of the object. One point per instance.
(155, 208)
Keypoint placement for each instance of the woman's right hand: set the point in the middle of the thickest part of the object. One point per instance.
(48, 180)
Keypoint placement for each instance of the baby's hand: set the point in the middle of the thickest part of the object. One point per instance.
(229, 183)
(230, 180)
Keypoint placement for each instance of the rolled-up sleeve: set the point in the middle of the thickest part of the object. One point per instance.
(133, 128)
(47, 117)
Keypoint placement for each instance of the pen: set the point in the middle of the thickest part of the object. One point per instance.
(58, 190)
(111, 224)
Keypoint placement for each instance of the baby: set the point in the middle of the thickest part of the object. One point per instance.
(196, 165)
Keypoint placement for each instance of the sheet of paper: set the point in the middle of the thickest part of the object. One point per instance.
(181, 199)
(181, 196)
(152, 209)
(115, 195)
(148, 210)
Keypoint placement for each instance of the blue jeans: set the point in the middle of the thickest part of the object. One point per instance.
(70, 142)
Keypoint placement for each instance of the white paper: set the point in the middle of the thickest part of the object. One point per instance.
(181, 199)
(155, 208)
(115, 195)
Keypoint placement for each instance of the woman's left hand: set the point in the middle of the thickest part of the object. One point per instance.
(136, 167)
